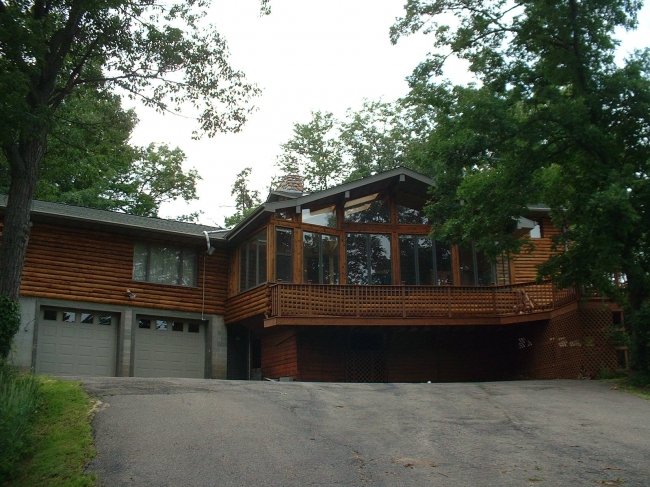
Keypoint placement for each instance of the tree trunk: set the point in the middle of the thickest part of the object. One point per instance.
(24, 160)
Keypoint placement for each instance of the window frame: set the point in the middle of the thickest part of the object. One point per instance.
(321, 272)
(184, 254)
(368, 257)
(288, 231)
(244, 264)
(416, 259)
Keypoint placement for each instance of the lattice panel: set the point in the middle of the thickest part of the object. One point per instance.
(365, 366)
(573, 345)
(600, 354)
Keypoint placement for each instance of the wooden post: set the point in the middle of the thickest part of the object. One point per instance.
(553, 295)
(449, 301)
(356, 296)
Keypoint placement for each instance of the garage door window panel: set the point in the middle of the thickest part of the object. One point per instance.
(49, 314)
(69, 316)
(105, 320)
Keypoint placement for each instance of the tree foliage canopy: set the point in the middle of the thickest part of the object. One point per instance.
(552, 118)
(246, 199)
(90, 162)
(327, 151)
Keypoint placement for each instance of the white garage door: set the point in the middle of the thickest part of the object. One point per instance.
(73, 342)
(169, 348)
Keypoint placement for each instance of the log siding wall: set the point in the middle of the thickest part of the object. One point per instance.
(280, 354)
(525, 264)
(84, 265)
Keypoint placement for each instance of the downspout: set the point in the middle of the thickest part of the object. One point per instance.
(207, 240)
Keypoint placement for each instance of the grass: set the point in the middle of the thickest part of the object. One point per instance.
(63, 443)
(625, 384)
(19, 399)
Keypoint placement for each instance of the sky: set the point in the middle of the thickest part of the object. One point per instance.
(307, 55)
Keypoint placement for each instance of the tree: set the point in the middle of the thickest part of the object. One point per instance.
(155, 176)
(246, 200)
(89, 161)
(314, 152)
(376, 138)
(552, 118)
(157, 52)
(327, 151)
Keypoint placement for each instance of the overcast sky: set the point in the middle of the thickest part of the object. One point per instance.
(307, 55)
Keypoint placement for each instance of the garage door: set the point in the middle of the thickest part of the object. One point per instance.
(73, 342)
(169, 348)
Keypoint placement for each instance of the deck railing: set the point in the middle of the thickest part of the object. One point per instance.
(305, 300)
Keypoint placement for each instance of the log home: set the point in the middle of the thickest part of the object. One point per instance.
(338, 285)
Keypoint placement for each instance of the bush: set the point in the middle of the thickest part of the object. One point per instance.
(18, 403)
(9, 324)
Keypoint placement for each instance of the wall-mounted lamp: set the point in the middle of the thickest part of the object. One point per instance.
(130, 294)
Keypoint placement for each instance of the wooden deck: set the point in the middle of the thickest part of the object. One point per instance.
(357, 304)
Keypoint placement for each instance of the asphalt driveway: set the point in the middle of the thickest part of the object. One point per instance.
(184, 432)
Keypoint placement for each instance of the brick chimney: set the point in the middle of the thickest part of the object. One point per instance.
(291, 182)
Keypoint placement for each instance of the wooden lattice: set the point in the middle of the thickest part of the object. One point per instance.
(573, 345)
(365, 366)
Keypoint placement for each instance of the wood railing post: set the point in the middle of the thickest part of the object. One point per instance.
(449, 301)
(356, 298)
(494, 301)
(403, 292)
(553, 295)
(310, 299)
(278, 300)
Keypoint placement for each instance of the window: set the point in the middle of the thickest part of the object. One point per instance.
(410, 209)
(49, 314)
(69, 316)
(105, 320)
(324, 217)
(320, 258)
(369, 209)
(368, 258)
(477, 270)
(164, 264)
(284, 254)
(424, 261)
(284, 215)
(252, 262)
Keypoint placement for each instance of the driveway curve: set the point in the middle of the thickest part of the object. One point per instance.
(184, 432)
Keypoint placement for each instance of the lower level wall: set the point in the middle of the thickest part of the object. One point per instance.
(389, 354)
(574, 345)
(280, 354)
(25, 346)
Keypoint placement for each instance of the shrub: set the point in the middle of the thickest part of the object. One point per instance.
(18, 403)
(9, 324)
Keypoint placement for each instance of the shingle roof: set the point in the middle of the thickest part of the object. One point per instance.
(96, 217)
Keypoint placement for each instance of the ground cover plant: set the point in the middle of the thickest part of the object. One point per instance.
(18, 406)
(63, 443)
